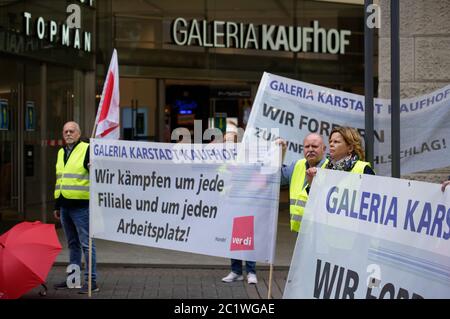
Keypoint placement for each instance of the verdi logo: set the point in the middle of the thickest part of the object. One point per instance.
(242, 237)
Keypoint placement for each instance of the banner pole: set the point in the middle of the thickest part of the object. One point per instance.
(269, 293)
(93, 131)
(90, 268)
(90, 221)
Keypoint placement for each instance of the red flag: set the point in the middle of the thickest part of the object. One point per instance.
(108, 114)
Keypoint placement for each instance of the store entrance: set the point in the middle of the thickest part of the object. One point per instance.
(30, 136)
(214, 105)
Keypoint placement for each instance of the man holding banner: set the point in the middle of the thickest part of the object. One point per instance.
(72, 184)
(72, 201)
(295, 175)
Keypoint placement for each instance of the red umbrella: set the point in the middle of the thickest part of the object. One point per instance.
(27, 252)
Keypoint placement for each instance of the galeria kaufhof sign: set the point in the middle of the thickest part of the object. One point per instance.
(69, 34)
(221, 34)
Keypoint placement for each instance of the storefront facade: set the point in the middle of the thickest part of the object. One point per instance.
(47, 59)
(202, 60)
(178, 62)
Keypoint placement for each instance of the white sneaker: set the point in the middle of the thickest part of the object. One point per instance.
(232, 276)
(251, 278)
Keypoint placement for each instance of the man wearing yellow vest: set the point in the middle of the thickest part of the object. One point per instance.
(295, 175)
(72, 201)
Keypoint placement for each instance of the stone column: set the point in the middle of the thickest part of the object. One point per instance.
(424, 54)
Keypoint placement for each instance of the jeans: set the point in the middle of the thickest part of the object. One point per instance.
(236, 266)
(75, 222)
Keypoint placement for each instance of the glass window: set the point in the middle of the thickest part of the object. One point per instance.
(8, 135)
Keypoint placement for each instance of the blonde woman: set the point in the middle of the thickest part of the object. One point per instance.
(346, 153)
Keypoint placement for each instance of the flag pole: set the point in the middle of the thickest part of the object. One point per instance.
(90, 238)
(90, 268)
(95, 128)
(269, 293)
(108, 110)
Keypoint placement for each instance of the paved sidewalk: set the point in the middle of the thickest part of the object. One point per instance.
(121, 282)
(136, 272)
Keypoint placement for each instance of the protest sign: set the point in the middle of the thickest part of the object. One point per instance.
(297, 108)
(187, 197)
(371, 237)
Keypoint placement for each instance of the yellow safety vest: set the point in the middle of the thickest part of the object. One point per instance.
(72, 179)
(359, 166)
(298, 194)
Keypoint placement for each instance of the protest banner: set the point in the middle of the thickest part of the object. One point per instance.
(187, 197)
(298, 108)
(372, 237)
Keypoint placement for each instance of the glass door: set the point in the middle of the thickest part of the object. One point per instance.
(20, 141)
(10, 88)
(34, 153)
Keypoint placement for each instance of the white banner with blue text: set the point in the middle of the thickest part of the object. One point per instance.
(372, 237)
(186, 197)
(297, 108)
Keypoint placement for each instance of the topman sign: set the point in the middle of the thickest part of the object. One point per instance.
(68, 34)
(220, 34)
